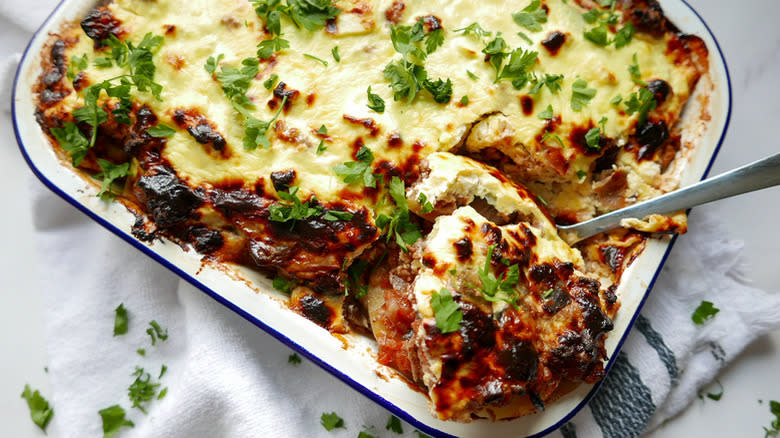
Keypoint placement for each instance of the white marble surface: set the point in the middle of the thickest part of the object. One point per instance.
(749, 37)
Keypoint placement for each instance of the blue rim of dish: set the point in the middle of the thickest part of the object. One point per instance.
(300, 349)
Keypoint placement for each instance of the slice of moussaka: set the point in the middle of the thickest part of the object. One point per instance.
(396, 167)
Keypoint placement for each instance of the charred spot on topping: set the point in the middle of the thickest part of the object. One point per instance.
(315, 310)
(170, 29)
(356, 146)
(206, 241)
(660, 89)
(527, 104)
(650, 136)
(175, 61)
(605, 161)
(137, 138)
(395, 11)
(431, 23)
(230, 22)
(50, 88)
(491, 232)
(394, 141)
(80, 82)
(58, 64)
(464, 249)
(170, 201)
(201, 129)
(260, 187)
(139, 230)
(100, 24)
(554, 41)
(519, 358)
(280, 92)
(238, 202)
(367, 123)
(310, 98)
(283, 179)
(417, 146)
(429, 261)
(610, 294)
(557, 300)
(647, 16)
(613, 256)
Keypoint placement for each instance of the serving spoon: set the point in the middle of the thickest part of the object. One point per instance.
(754, 176)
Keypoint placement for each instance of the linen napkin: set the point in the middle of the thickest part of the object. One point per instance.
(226, 378)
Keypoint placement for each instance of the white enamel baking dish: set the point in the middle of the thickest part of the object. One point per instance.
(256, 300)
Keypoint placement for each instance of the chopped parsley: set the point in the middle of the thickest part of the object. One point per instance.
(163, 369)
(446, 310)
(616, 100)
(156, 332)
(375, 102)
(624, 35)
(120, 320)
(141, 351)
(474, 29)
(407, 75)
(598, 35)
(142, 390)
(40, 411)
(604, 20)
(268, 48)
(641, 103)
(394, 424)
(320, 60)
(283, 285)
(294, 359)
(547, 114)
(425, 205)
(358, 171)
(236, 82)
(552, 82)
(548, 293)
(256, 130)
(163, 393)
(636, 75)
(365, 434)
(331, 421)
(354, 275)
(581, 174)
(704, 313)
(399, 225)
(581, 95)
(715, 395)
(335, 52)
(270, 83)
(549, 135)
(321, 148)
(774, 408)
(212, 63)
(336, 215)
(161, 131)
(311, 14)
(110, 173)
(496, 289)
(113, 418)
(464, 100)
(290, 208)
(72, 141)
(531, 17)
(593, 138)
(77, 64)
(472, 75)
(517, 66)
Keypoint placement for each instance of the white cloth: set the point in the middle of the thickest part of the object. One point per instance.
(226, 378)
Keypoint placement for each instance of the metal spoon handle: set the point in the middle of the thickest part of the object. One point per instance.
(755, 176)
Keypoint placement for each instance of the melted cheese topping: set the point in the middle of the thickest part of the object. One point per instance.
(339, 89)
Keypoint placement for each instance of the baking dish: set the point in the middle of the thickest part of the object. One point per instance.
(349, 357)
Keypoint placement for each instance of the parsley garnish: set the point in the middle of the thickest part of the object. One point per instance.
(267, 48)
(624, 35)
(605, 18)
(163, 393)
(556, 137)
(547, 114)
(552, 82)
(291, 209)
(270, 83)
(141, 351)
(72, 141)
(394, 424)
(113, 418)
(161, 131)
(212, 63)
(641, 103)
(581, 95)
(633, 70)
(365, 434)
(426, 206)
(598, 35)
(581, 174)
(525, 37)
(398, 225)
(335, 52)
(407, 75)
(446, 310)
(120, 320)
(616, 100)
(774, 408)
(40, 411)
(496, 289)
(516, 69)
(472, 75)
(320, 60)
(360, 170)
(142, 389)
(331, 421)
(311, 14)
(155, 332)
(283, 285)
(474, 29)
(593, 138)
(235, 82)
(354, 275)
(163, 369)
(704, 313)
(110, 173)
(256, 130)
(294, 359)
(77, 64)
(335, 215)
(532, 16)
(375, 102)
(464, 100)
